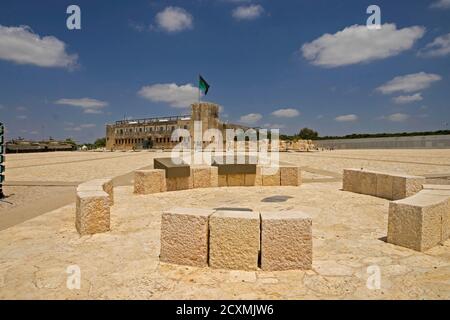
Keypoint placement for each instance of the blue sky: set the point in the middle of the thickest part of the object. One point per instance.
(286, 64)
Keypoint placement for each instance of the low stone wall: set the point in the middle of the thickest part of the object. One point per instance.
(283, 176)
(421, 221)
(154, 181)
(236, 239)
(391, 186)
(94, 199)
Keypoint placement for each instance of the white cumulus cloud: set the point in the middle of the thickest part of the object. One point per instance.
(176, 96)
(174, 19)
(346, 118)
(358, 44)
(88, 105)
(438, 48)
(249, 12)
(251, 118)
(398, 117)
(22, 46)
(409, 83)
(286, 113)
(408, 99)
(441, 4)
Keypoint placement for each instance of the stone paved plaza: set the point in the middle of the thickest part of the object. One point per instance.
(349, 233)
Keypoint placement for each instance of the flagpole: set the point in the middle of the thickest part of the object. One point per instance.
(199, 91)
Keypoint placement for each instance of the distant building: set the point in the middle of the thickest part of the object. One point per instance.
(157, 132)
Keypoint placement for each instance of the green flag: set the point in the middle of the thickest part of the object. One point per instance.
(203, 85)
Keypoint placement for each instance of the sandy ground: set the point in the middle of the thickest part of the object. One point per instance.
(39, 242)
(348, 231)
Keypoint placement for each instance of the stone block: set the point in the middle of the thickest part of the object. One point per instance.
(214, 177)
(417, 222)
(104, 184)
(258, 176)
(92, 212)
(179, 183)
(201, 177)
(234, 239)
(290, 176)
(368, 183)
(184, 236)
(271, 176)
(149, 181)
(286, 241)
(236, 179)
(406, 186)
(351, 180)
(223, 180)
(384, 186)
(249, 179)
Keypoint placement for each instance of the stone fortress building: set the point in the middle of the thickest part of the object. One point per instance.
(156, 132)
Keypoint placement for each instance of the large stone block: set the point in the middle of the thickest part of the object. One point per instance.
(103, 184)
(179, 183)
(184, 236)
(368, 183)
(286, 241)
(290, 176)
(214, 177)
(417, 222)
(223, 180)
(236, 179)
(149, 181)
(234, 238)
(406, 186)
(258, 176)
(249, 179)
(351, 180)
(271, 176)
(384, 186)
(92, 212)
(201, 176)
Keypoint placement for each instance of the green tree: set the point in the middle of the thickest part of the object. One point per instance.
(308, 134)
(100, 143)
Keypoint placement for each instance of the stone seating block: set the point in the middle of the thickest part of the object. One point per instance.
(184, 236)
(351, 180)
(368, 183)
(92, 212)
(204, 177)
(223, 180)
(271, 176)
(419, 222)
(286, 241)
(236, 179)
(179, 183)
(234, 239)
(103, 184)
(290, 176)
(249, 179)
(406, 186)
(385, 186)
(149, 181)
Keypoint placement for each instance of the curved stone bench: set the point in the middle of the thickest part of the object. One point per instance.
(94, 199)
(421, 221)
(155, 180)
(236, 239)
(391, 186)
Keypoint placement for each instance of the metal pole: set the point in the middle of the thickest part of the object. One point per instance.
(2, 159)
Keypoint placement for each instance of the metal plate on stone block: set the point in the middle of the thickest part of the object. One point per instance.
(173, 170)
(225, 167)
